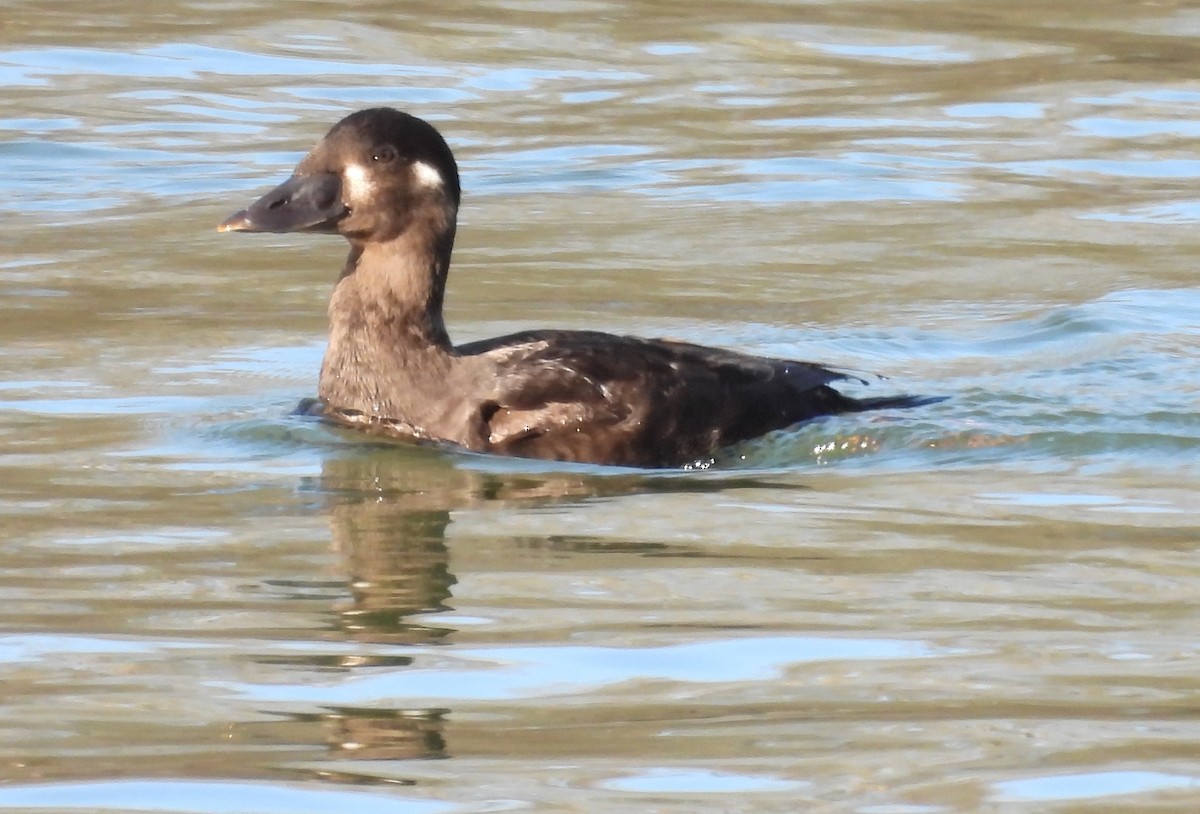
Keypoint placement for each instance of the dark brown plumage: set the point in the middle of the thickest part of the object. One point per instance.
(388, 183)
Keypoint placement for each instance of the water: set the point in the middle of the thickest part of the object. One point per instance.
(981, 605)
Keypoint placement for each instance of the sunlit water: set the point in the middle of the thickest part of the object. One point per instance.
(211, 605)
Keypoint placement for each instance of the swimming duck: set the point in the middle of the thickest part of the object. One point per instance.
(387, 182)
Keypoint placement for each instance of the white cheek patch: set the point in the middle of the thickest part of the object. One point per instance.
(358, 182)
(426, 175)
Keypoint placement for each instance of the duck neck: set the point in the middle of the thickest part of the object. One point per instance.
(387, 337)
(394, 292)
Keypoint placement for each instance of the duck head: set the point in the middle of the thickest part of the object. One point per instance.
(372, 176)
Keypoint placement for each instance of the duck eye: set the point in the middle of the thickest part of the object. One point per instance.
(384, 154)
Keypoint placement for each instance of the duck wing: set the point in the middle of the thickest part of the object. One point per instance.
(583, 395)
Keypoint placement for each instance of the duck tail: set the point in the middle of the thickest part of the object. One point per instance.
(893, 402)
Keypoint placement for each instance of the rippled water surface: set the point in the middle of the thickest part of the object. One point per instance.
(988, 604)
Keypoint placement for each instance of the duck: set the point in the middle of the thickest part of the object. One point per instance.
(388, 183)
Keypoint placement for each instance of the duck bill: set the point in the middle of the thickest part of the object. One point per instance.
(303, 203)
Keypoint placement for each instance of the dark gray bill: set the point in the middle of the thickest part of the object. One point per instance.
(301, 203)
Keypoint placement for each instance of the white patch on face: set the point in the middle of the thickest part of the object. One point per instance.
(426, 175)
(358, 182)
